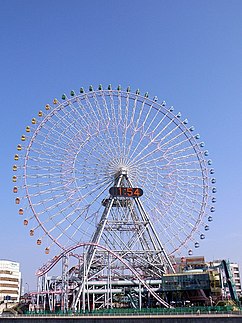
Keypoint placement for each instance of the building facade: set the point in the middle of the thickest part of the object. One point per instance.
(10, 281)
(234, 276)
(224, 275)
(234, 269)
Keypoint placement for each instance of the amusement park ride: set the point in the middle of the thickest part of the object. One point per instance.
(114, 185)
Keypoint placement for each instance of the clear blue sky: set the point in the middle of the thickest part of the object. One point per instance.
(187, 52)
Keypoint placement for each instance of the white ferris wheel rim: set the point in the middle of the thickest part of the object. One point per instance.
(76, 149)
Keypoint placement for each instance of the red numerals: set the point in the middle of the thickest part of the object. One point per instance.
(137, 192)
(125, 191)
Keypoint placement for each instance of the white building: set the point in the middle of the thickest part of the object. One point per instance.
(234, 268)
(10, 281)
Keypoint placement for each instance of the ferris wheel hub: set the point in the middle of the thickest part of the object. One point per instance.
(122, 171)
(120, 166)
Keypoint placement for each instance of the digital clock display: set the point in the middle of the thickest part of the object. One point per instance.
(126, 191)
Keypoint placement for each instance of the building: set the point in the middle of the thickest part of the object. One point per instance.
(234, 276)
(10, 281)
(224, 276)
(234, 269)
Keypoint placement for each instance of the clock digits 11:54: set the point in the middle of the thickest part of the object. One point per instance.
(126, 191)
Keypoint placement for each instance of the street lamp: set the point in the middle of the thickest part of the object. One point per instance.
(28, 287)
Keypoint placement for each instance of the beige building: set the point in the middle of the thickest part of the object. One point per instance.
(10, 281)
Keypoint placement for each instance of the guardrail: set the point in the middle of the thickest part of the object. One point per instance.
(215, 310)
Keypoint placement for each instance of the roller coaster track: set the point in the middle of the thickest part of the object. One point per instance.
(49, 265)
(230, 282)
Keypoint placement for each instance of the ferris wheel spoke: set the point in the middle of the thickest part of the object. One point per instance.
(131, 144)
(49, 150)
(102, 149)
(64, 209)
(176, 233)
(170, 162)
(181, 152)
(101, 189)
(99, 121)
(184, 157)
(149, 153)
(47, 191)
(96, 112)
(116, 123)
(181, 211)
(60, 126)
(112, 122)
(82, 224)
(179, 148)
(150, 123)
(109, 144)
(135, 127)
(125, 124)
(56, 225)
(139, 116)
(157, 135)
(107, 122)
(67, 144)
(173, 143)
(101, 113)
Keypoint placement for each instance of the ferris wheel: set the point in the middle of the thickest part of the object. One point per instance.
(106, 156)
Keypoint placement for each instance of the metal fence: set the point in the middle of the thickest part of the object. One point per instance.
(147, 311)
